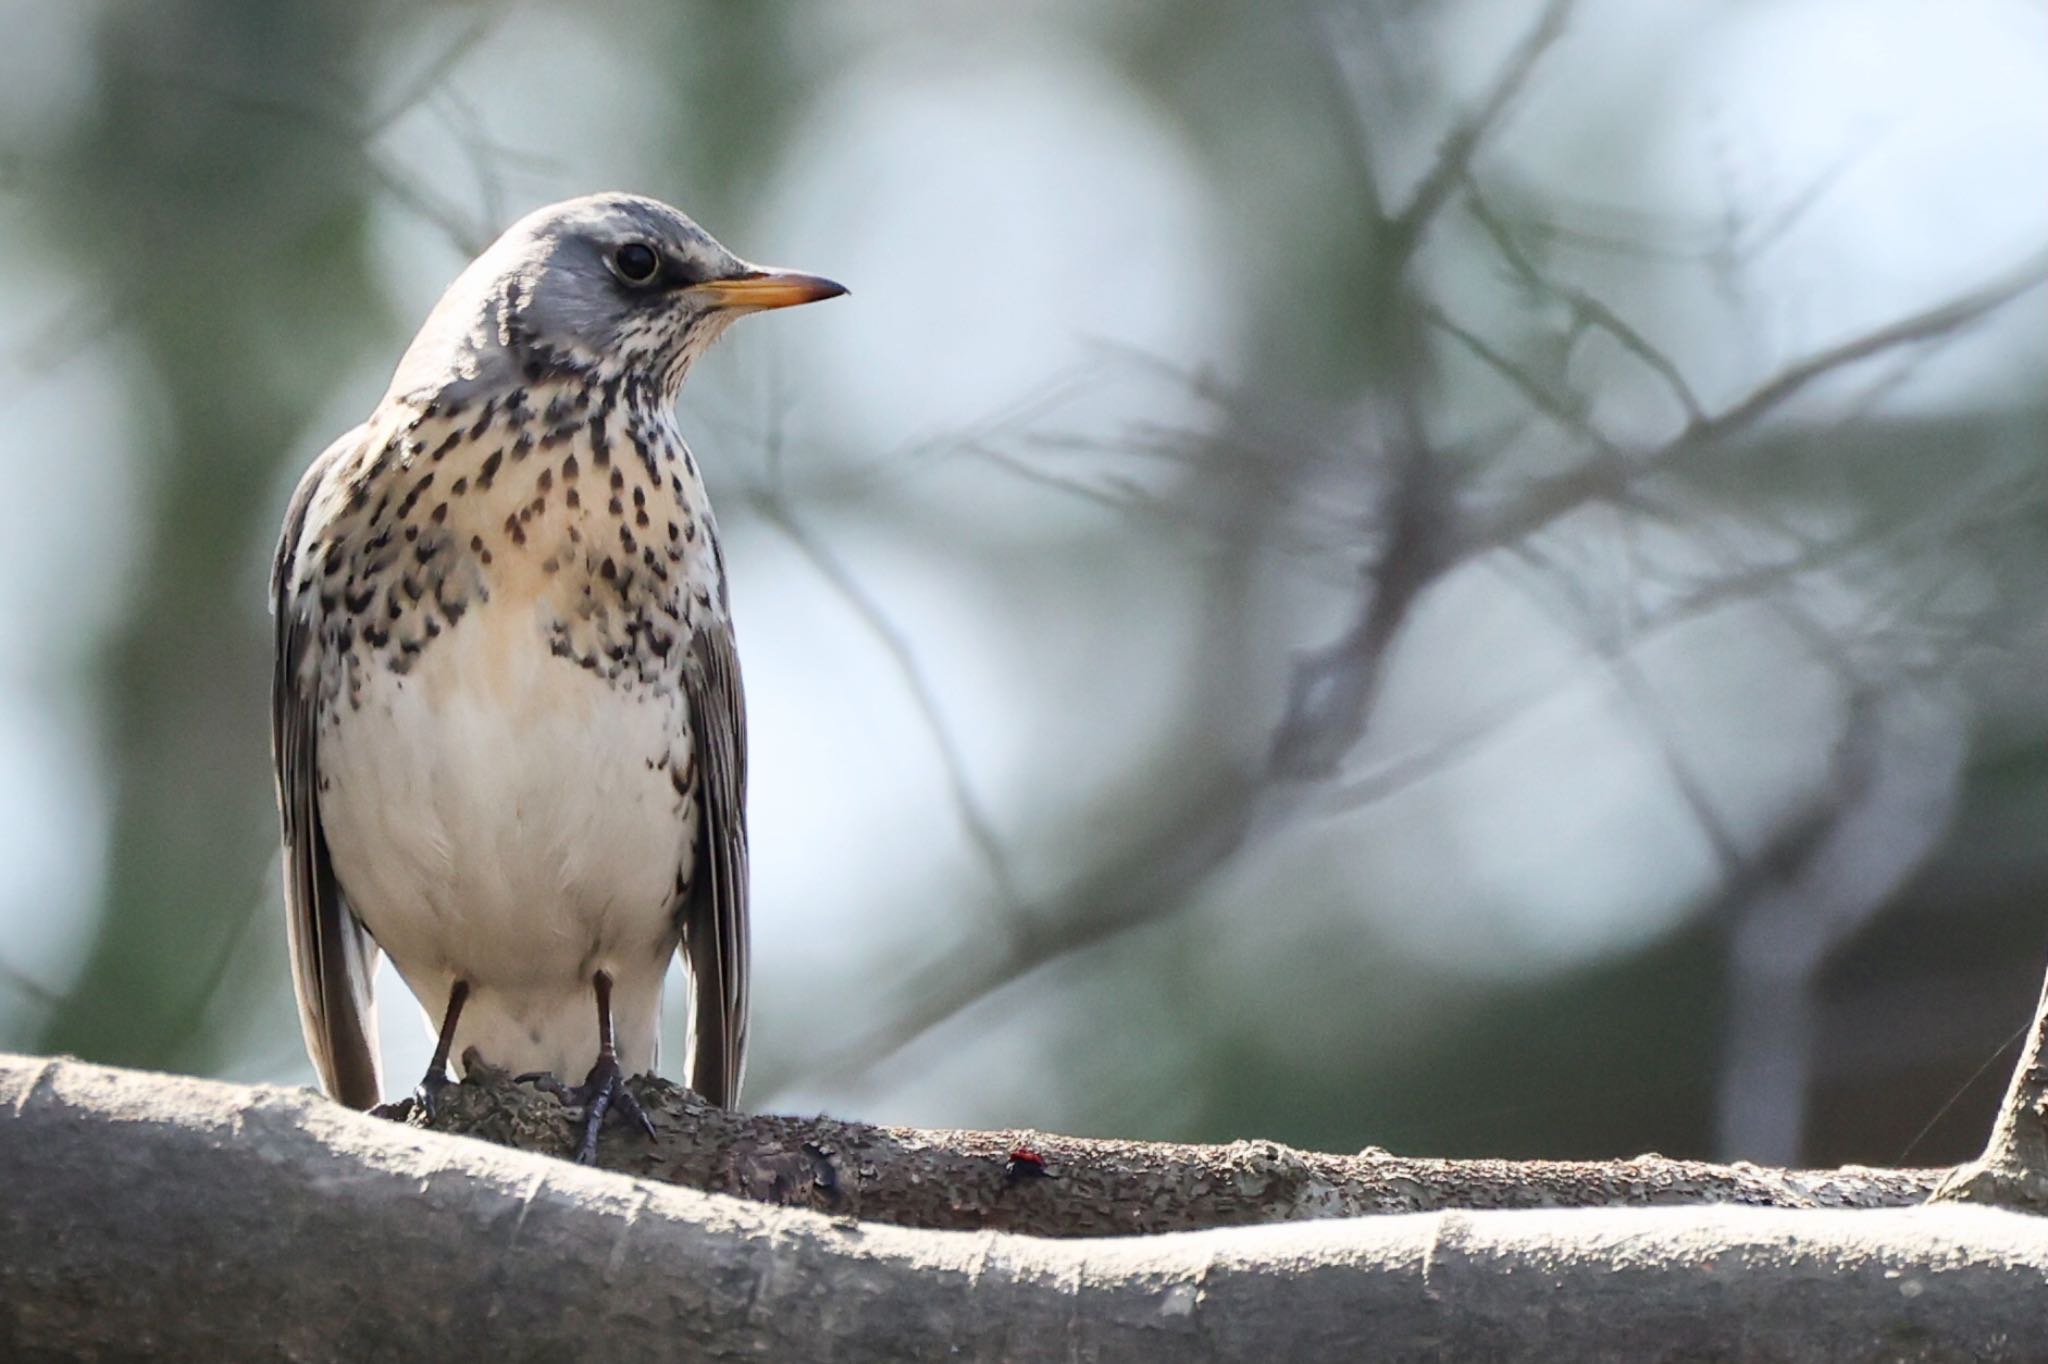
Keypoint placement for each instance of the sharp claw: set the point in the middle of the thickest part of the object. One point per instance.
(597, 1096)
(424, 1100)
(593, 1119)
(630, 1106)
(428, 1095)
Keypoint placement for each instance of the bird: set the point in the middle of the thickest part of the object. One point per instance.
(508, 724)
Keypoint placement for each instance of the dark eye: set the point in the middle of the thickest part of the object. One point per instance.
(636, 262)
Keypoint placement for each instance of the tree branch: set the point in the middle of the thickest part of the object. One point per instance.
(191, 1219)
(977, 1181)
(773, 506)
(2013, 1171)
(1454, 158)
(1935, 324)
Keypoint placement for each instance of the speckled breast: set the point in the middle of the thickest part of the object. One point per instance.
(504, 598)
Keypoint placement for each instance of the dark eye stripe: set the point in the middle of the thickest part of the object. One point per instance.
(677, 273)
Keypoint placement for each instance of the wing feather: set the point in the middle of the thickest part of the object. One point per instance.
(333, 957)
(714, 908)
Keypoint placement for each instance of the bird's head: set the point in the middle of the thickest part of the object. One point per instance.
(607, 284)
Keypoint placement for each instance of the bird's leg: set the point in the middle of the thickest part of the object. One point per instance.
(436, 1078)
(606, 1083)
(604, 1087)
(428, 1094)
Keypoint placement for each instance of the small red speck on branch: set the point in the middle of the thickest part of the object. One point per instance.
(1025, 1163)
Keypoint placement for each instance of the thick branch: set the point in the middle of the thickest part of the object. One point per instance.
(193, 1220)
(969, 1181)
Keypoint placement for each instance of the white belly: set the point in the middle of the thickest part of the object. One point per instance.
(502, 816)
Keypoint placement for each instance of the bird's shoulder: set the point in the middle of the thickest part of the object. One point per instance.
(300, 509)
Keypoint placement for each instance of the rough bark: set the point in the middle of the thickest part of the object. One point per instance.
(988, 1181)
(146, 1215)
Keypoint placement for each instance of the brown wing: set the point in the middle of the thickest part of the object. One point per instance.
(714, 910)
(333, 958)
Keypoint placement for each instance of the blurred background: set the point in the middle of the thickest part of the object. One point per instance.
(1464, 577)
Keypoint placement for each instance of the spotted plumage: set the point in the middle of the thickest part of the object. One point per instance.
(508, 722)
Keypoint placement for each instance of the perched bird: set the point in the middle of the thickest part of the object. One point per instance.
(507, 718)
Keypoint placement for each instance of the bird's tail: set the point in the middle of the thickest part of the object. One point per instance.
(716, 1056)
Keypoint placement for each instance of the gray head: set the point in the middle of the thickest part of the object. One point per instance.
(605, 285)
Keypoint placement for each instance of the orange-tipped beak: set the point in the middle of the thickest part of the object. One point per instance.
(769, 289)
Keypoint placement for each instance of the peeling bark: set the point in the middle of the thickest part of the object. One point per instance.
(184, 1219)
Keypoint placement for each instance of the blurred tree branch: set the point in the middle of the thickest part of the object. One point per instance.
(774, 506)
(1454, 161)
(1933, 324)
(1425, 515)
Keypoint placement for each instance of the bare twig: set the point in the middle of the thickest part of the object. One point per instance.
(1931, 325)
(1643, 699)
(1154, 877)
(433, 77)
(1566, 414)
(1454, 159)
(967, 805)
(1332, 689)
(28, 987)
(1584, 305)
(1611, 477)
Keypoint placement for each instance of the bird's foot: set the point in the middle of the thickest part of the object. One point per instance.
(427, 1096)
(601, 1091)
(425, 1099)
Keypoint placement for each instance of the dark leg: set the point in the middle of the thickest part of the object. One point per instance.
(606, 1084)
(605, 1087)
(436, 1079)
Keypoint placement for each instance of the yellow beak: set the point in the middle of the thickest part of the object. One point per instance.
(760, 289)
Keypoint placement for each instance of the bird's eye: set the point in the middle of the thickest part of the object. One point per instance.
(636, 262)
